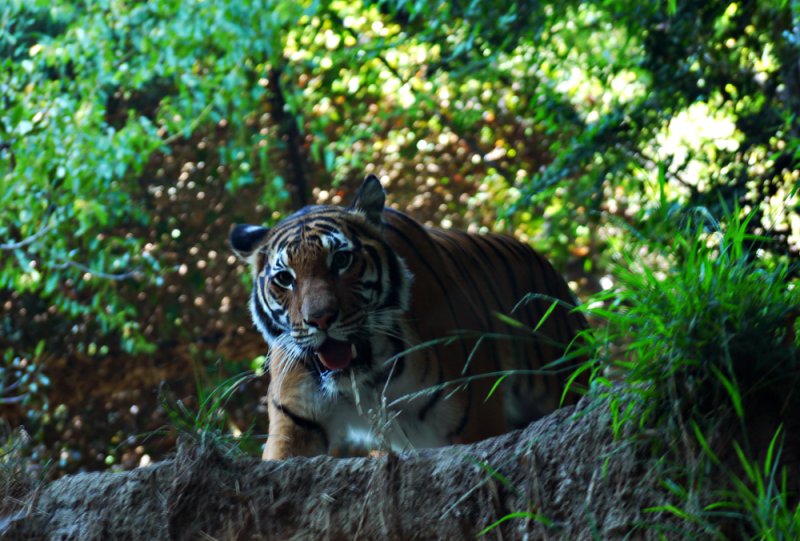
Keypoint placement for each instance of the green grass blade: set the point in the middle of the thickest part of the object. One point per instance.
(732, 390)
(520, 514)
(495, 386)
(546, 315)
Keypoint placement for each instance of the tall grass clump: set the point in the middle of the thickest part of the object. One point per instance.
(700, 326)
(699, 358)
(209, 425)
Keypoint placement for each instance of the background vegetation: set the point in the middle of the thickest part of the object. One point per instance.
(132, 134)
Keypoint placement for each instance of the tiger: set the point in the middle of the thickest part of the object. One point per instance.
(385, 331)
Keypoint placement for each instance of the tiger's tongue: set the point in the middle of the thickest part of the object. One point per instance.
(335, 355)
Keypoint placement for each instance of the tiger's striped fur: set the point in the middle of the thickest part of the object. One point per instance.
(356, 305)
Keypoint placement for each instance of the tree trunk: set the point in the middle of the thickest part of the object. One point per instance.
(290, 134)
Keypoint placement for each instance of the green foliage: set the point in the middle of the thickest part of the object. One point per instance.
(726, 61)
(209, 425)
(133, 133)
(562, 109)
(17, 478)
(90, 93)
(761, 500)
(704, 336)
(764, 498)
(23, 383)
(689, 354)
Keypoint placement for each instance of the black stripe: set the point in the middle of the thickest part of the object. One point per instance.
(274, 314)
(465, 275)
(377, 265)
(335, 221)
(519, 249)
(523, 253)
(302, 422)
(515, 292)
(284, 231)
(487, 273)
(562, 325)
(415, 225)
(280, 236)
(325, 228)
(464, 418)
(488, 320)
(360, 230)
(395, 368)
(339, 223)
(395, 277)
(429, 404)
(422, 259)
(400, 365)
(516, 247)
(434, 397)
(433, 273)
(520, 353)
(481, 267)
(263, 317)
(563, 328)
(308, 209)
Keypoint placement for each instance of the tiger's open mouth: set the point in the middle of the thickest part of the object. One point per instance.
(335, 354)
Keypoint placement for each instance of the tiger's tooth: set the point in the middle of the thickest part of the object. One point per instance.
(353, 351)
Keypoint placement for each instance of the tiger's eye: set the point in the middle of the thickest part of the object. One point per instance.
(284, 279)
(341, 261)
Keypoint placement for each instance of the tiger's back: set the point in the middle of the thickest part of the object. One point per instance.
(462, 282)
(379, 325)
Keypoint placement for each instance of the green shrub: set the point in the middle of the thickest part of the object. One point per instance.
(698, 348)
(703, 335)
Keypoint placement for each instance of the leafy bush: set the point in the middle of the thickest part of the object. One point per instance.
(699, 353)
(706, 334)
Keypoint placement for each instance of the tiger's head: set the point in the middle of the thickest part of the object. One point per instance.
(326, 284)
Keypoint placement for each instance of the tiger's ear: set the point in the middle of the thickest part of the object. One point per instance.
(245, 239)
(370, 199)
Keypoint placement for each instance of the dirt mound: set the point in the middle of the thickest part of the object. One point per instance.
(562, 477)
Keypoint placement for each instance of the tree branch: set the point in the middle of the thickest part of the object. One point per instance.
(100, 274)
(25, 242)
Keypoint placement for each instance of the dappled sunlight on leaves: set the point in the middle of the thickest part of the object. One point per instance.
(133, 135)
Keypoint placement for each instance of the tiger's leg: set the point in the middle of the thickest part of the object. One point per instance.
(292, 435)
(293, 428)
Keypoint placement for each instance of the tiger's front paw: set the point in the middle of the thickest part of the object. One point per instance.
(291, 434)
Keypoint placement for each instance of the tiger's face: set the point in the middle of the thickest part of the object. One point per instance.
(326, 285)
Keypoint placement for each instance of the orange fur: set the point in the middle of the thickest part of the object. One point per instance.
(331, 278)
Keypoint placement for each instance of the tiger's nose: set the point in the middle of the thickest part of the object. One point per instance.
(322, 319)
